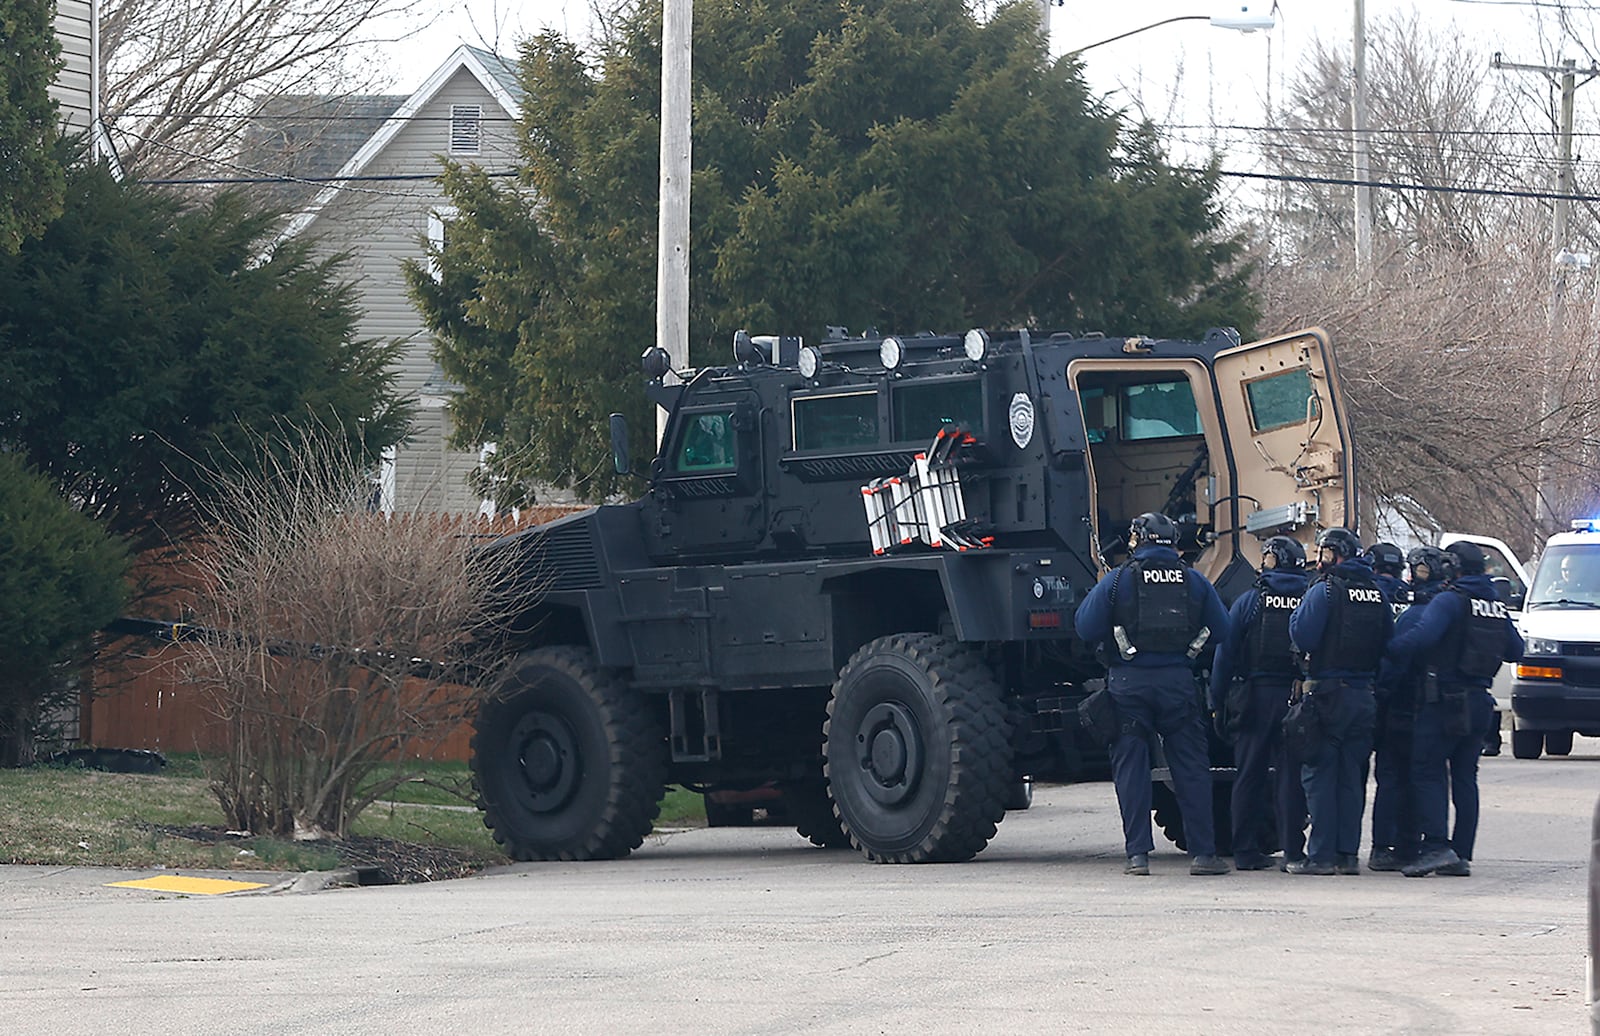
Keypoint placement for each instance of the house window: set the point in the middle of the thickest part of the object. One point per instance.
(439, 221)
(466, 129)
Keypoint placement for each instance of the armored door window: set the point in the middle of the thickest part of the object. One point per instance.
(1159, 410)
(921, 409)
(1280, 400)
(708, 443)
(835, 421)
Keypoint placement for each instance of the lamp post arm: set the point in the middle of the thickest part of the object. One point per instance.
(1153, 25)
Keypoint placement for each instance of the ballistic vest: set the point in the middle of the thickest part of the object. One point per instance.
(1267, 639)
(1475, 644)
(1355, 636)
(1158, 615)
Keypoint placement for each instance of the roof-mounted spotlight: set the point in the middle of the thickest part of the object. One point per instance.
(976, 345)
(655, 362)
(745, 350)
(891, 352)
(810, 361)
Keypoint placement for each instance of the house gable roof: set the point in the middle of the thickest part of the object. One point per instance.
(497, 76)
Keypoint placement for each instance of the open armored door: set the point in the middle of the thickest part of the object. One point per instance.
(1290, 439)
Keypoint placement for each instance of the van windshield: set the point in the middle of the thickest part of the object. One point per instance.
(1568, 577)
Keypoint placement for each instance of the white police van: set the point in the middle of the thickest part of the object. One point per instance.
(1555, 688)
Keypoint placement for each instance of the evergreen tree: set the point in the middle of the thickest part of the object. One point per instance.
(146, 348)
(61, 578)
(29, 164)
(899, 165)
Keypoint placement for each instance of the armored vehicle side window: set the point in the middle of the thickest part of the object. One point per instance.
(708, 443)
(835, 421)
(1159, 410)
(920, 409)
(1099, 414)
(1279, 400)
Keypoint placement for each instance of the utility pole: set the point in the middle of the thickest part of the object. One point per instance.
(1359, 142)
(672, 228)
(1561, 262)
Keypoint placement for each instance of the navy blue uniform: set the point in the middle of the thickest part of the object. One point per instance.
(1155, 694)
(1445, 747)
(1394, 825)
(1258, 748)
(1345, 637)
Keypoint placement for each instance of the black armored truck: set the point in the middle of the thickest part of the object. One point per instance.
(853, 575)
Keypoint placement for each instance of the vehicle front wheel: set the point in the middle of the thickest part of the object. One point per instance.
(568, 762)
(917, 750)
(1527, 744)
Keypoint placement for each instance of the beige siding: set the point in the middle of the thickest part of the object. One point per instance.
(73, 88)
(384, 223)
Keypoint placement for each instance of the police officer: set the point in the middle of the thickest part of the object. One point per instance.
(1250, 681)
(1394, 827)
(1388, 564)
(1153, 615)
(1458, 641)
(1343, 624)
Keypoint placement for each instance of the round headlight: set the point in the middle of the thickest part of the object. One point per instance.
(810, 360)
(976, 344)
(655, 362)
(891, 352)
(744, 349)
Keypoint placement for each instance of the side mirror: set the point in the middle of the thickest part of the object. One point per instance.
(620, 458)
(1512, 596)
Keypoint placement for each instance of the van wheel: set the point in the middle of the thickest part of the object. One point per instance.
(1527, 744)
(917, 750)
(568, 762)
(1558, 742)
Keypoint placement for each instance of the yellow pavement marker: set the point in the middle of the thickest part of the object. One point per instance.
(189, 886)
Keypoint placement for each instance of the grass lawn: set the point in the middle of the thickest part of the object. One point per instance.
(66, 816)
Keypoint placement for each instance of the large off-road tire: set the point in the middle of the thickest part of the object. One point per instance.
(812, 812)
(1169, 816)
(1527, 744)
(1558, 742)
(568, 762)
(917, 750)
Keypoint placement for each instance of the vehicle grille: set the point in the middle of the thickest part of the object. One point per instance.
(1578, 650)
(564, 558)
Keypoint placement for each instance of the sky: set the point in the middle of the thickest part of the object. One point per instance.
(1187, 76)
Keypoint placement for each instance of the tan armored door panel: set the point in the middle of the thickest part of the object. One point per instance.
(1281, 402)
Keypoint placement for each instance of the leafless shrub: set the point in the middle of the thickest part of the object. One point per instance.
(326, 610)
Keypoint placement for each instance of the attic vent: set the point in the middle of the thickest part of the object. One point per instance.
(466, 128)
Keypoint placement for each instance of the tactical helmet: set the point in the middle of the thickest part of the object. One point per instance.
(1469, 556)
(1286, 553)
(1151, 527)
(1342, 542)
(1440, 566)
(1386, 558)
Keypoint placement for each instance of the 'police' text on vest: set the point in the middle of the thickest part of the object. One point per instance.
(1163, 575)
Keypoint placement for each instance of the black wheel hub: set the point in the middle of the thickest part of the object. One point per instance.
(889, 749)
(547, 759)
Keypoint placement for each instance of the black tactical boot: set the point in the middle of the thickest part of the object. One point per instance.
(1430, 860)
(1209, 865)
(1347, 863)
(1460, 869)
(1138, 863)
(1251, 861)
(1383, 859)
(1319, 867)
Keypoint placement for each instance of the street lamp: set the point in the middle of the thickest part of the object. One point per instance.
(1243, 21)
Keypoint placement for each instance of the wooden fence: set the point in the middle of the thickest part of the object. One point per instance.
(138, 699)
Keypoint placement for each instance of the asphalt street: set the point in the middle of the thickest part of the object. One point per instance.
(754, 931)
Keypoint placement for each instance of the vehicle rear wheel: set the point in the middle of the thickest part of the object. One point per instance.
(812, 812)
(1527, 744)
(568, 763)
(1558, 742)
(1169, 816)
(917, 750)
